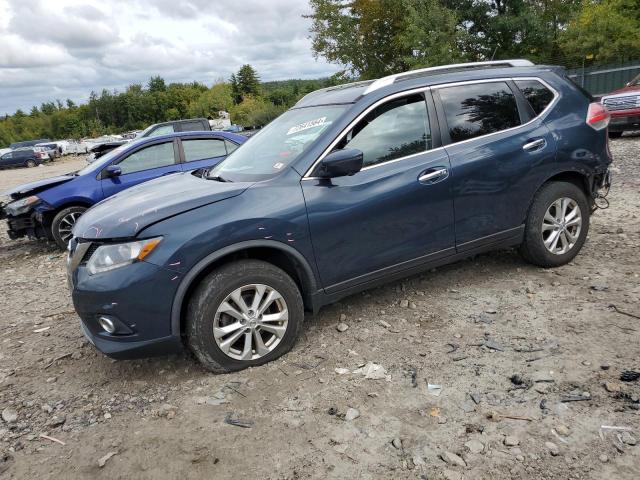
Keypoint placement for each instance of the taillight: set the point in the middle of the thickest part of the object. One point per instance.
(598, 116)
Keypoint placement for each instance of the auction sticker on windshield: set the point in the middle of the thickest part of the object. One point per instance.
(307, 125)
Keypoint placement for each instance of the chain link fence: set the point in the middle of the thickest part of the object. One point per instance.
(602, 79)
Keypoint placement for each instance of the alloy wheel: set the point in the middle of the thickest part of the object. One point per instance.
(561, 226)
(66, 225)
(250, 322)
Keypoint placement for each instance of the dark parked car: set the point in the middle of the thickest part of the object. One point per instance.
(354, 186)
(28, 143)
(49, 208)
(23, 157)
(624, 105)
(190, 125)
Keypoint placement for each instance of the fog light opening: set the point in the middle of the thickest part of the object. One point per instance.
(107, 325)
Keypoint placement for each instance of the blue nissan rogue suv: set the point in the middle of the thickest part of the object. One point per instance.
(354, 186)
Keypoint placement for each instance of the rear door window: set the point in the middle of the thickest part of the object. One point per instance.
(536, 93)
(473, 110)
(393, 130)
(200, 149)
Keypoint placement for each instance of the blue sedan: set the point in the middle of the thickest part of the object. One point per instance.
(49, 208)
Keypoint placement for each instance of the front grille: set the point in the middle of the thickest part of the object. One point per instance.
(622, 103)
(20, 223)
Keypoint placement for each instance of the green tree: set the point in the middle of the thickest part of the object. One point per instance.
(236, 95)
(248, 81)
(360, 35)
(605, 29)
(254, 112)
(156, 84)
(431, 35)
(210, 102)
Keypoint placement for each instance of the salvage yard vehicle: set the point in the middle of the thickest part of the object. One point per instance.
(102, 149)
(188, 125)
(23, 157)
(355, 186)
(624, 106)
(49, 208)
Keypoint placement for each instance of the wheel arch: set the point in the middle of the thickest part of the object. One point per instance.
(580, 179)
(282, 256)
(50, 215)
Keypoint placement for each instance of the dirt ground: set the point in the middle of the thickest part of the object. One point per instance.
(501, 338)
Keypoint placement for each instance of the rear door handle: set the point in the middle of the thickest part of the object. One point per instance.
(534, 145)
(433, 174)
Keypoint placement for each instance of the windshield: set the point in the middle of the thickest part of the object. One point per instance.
(277, 145)
(104, 160)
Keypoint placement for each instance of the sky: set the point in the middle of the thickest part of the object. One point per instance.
(59, 49)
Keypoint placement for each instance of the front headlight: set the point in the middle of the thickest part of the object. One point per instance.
(25, 202)
(109, 257)
(22, 206)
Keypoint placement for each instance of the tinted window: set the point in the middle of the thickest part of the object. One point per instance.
(538, 95)
(203, 148)
(392, 130)
(191, 126)
(151, 157)
(163, 130)
(478, 109)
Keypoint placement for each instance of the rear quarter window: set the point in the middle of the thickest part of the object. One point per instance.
(538, 96)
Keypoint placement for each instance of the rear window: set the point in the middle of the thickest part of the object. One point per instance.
(536, 93)
(479, 109)
(192, 127)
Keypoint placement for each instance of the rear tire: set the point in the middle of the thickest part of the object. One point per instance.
(30, 164)
(232, 301)
(615, 134)
(557, 225)
(63, 223)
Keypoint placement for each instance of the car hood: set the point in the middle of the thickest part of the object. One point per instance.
(125, 214)
(35, 187)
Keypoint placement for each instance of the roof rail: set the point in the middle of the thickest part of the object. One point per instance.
(384, 81)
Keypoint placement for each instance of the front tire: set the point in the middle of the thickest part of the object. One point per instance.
(63, 223)
(557, 225)
(243, 314)
(615, 134)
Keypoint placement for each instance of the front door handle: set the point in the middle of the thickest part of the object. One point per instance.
(534, 145)
(433, 174)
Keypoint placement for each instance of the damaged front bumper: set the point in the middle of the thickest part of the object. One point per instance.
(26, 219)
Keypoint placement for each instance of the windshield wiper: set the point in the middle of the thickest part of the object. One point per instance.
(218, 178)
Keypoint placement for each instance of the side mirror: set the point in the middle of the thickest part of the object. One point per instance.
(112, 171)
(341, 163)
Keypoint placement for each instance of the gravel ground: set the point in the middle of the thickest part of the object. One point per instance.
(528, 362)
